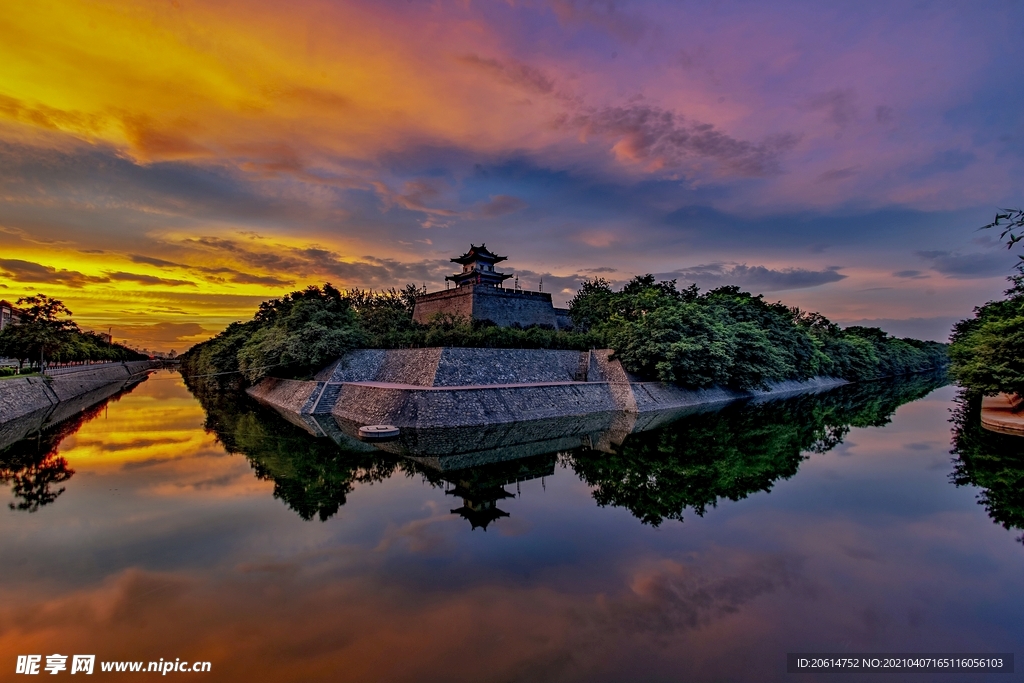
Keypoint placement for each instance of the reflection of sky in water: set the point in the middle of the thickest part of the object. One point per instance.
(165, 546)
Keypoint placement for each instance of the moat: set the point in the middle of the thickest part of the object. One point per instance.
(703, 549)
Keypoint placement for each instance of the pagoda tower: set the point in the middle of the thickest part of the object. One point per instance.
(478, 295)
(478, 268)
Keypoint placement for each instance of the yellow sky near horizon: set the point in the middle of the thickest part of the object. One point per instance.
(223, 86)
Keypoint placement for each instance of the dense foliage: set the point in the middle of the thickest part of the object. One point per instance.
(723, 337)
(298, 334)
(729, 337)
(987, 351)
(46, 331)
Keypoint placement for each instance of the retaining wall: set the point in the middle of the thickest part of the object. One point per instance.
(290, 395)
(427, 388)
(415, 407)
(30, 403)
(450, 367)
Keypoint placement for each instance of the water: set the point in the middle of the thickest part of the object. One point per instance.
(702, 551)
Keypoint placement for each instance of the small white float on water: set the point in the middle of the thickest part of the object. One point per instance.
(378, 432)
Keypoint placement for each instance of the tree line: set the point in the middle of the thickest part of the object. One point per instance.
(987, 350)
(45, 333)
(722, 337)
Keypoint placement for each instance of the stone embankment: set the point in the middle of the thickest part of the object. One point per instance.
(455, 387)
(28, 402)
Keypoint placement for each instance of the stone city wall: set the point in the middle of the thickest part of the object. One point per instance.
(453, 387)
(22, 396)
(507, 308)
(504, 307)
(448, 367)
(562, 319)
(414, 407)
(467, 367)
(457, 302)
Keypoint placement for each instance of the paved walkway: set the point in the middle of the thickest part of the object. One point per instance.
(461, 387)
(997, 415)
(72, 369)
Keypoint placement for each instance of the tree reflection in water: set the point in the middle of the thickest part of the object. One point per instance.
(311, 475)
(743, 449)
(32, 467)
(656, 475)
(989, 460)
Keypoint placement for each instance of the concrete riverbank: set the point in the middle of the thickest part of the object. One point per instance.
(29, 403)
(455, 387)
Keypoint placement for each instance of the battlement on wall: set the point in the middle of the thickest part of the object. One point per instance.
(467, 290)
(504, 307)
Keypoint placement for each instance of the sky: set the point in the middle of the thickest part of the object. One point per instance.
(165, 166)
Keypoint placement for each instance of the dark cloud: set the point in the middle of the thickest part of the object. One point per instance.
(96, 190)
(837, 105)
(647, 133)
(910, 274)
(968, 266)
(944, 161)
(512, 72)
(148, 279)
(27, 271)
(755, 278)
(291, 264)
(213, 274)
(837, 174)
(883, 114)
(149, 260)
(244, 279)
(883, 230)
(502, 204)
(603, 15)
(689, 59)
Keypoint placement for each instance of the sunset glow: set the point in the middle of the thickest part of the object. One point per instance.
(165, 166)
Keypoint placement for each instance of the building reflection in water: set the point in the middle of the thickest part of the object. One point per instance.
(481, 488)
(656, 465)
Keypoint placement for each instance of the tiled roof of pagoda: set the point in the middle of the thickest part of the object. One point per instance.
(480, 253)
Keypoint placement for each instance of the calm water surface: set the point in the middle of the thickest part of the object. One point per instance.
(702, 551)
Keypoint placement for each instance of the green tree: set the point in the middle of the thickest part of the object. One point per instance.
(987, 351)
(44, 329)
(733, 338)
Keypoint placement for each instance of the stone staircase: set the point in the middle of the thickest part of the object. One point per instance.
(328, 397)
